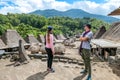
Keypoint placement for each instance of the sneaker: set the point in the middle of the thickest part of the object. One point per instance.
(83, 72)
(52, 70)
(89, 78)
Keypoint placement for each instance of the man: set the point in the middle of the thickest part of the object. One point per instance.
(85, 49)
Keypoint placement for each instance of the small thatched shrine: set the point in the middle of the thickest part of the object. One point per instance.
(31, 39)
(11, 38)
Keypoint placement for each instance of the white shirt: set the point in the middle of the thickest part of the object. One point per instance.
(86, 44)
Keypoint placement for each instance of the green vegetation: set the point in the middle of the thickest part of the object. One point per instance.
(73, 13)
(34, 24)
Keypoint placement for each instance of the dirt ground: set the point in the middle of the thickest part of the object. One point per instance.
(36, 70)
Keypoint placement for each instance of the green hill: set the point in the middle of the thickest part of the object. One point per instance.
(73, 13)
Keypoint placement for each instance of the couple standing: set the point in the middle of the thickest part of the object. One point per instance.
(85, 49)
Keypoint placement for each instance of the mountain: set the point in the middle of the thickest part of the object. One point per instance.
(73, 13)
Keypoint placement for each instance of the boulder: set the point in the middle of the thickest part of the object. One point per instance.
(34, 48)
(78, 35)
(72, 44)
(69, 42)
(59, 48)
(42, 49)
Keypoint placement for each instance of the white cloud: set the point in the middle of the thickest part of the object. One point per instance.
(97, 8)
(25, 6)
(85, 5)
(60, 5)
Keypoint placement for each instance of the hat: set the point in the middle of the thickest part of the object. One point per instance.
(88, 25)
(50, 27)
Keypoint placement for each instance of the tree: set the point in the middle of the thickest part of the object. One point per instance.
(33, 24)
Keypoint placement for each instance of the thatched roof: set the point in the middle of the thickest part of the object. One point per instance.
(113, 33)
(11, 38)
(2, 44)
(41, 38)
(31, 39)
(60, 37)
(115, 12)
(100, 32)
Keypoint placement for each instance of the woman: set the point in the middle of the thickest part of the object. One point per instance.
(49, 49)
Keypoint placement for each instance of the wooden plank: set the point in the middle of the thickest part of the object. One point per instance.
(103, 43)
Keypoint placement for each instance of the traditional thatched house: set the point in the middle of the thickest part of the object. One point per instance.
(109, 42)
(100, 32)
(115, 12)
(113, 33)
(11, 38)
(60, 37)
(31, 39)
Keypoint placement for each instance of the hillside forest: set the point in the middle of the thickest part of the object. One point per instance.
(34, 24)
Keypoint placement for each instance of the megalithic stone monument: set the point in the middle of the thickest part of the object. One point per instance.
(22, 53)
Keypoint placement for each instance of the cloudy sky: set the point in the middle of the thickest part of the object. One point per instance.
(102, 7)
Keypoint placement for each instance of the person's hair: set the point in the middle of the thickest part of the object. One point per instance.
(48, 35)
(88, 25)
